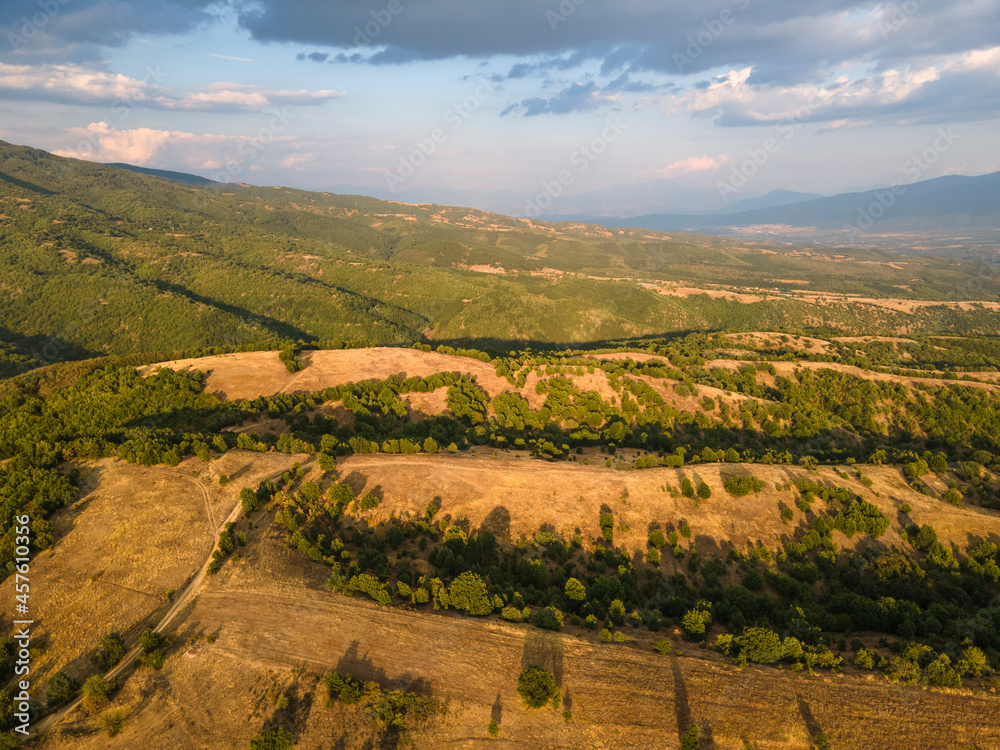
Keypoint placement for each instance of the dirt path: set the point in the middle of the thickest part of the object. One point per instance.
(189, 593)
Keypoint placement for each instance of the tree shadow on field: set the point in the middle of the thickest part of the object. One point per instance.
(812, 726)
(497, 522)
(496, 713)
(544, 649)
(362, 667)
(356, 481)
(682, 708)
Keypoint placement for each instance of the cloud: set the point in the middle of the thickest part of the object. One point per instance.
(319, 57)
(231, 58)
(74, 84)
(225, 157)
(78, 30)
(783, 39)
(692, 165)
(956, 88)
(580, 97)
(89, 85)
(244, 98)
(100, 142)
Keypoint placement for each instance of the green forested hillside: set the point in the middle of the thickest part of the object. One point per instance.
(96, 259)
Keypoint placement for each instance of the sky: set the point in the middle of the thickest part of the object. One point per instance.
(618, 107)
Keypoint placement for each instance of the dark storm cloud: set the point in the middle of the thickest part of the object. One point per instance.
(66, 30)
(786, 40)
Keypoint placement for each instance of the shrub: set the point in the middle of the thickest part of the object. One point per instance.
(657, 539)
(153, 660)
(952, 497)
(864, 659)
(743, 485)
(112, 722)
(275, 738)
(149, 640)
(653, 556)
(616, 612)
(109, 651)
(97, 692)
(787, 514)
(368, 502)
(513, 614)
(605, 635)
(345, 689)
(61, 689)
(493, 729)
(691, 739)
(607, 523)
(972, 663)
(619, 637)
(662, 646)
(687, 488)
(696, 621)
(537, 688)
(704, 491)
(549, 618)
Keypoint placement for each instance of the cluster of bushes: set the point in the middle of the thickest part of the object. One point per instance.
(390, 711)
(741, 486)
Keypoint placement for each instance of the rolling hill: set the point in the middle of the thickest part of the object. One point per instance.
(140, 264)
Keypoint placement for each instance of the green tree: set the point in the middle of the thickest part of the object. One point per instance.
(691, 739)
(864, 659)
(972, 662)
(275, 738)
(537, 687)
(61, 689)
(97, 692)
(704, 491)
(760, 645)
(469, 594)
(696, 621)
(657, 539)
(575, 590)
(150, 640)
(687, 488)
(110, 650)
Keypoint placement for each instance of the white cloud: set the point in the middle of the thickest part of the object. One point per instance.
(101, 142)
(87, 85)
(74, 83)
(692, 165)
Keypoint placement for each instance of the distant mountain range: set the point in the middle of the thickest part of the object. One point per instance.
(952, 202)
(953, 216)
